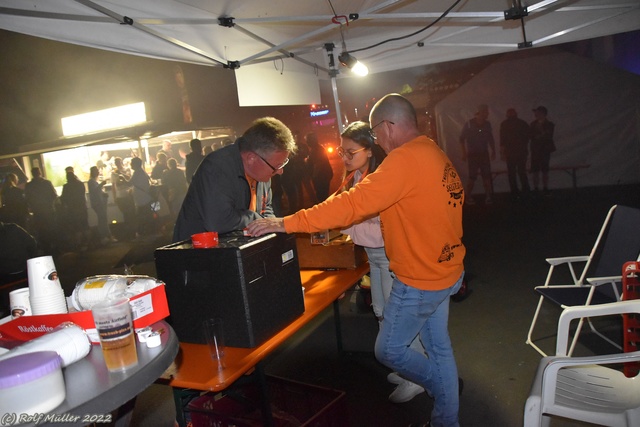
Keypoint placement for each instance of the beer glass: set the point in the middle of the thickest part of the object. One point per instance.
(113, 321)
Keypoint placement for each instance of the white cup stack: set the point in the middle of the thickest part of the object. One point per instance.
(45, 292)
(19, 303)
(68, 340)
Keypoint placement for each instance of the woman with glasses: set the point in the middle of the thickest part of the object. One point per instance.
(362, 156)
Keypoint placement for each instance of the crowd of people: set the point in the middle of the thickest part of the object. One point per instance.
(517, 140)
(59, 219)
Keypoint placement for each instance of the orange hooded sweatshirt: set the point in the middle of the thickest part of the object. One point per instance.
(419, 196)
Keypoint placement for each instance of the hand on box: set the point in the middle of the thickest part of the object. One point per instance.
(266, 225)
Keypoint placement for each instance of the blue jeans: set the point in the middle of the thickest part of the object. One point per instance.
(410, 312)
(381, 280)
(381, 284)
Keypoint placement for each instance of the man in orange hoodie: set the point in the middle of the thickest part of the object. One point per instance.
(419, 196)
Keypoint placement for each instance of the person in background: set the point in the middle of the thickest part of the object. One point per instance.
(141, 186)
(98, 199)
(160, 166)
(41, 198)
(514, 142)
(167, 150)
(122, 194)
(74, 207)
(232, 185)
(175, 185)
(16, 247)
(14, 205)
(476, 140)
(418, 195)
(182, 159)
(292, 177)
(362, 156)
(542, 145)
(193, 159)
(320, 167)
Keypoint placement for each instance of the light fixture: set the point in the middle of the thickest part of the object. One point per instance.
(111, 118)
(353, 64)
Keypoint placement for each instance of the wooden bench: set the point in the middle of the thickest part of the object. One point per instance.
(571, 170)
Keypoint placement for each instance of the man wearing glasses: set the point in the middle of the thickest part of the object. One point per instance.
(232, 185)
(419, 196)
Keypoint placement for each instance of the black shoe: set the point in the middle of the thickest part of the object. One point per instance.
(427, 424)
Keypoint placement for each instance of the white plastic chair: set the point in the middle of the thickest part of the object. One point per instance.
(600, 279)
(585, 388)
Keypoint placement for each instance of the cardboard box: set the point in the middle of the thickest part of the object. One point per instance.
(148, 308)
(252, 283)
(338, 252)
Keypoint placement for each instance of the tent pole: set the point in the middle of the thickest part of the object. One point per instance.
(333, 72)
(336, 101)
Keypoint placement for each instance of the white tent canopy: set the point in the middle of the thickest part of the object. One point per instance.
(596, 110)
(272, 42)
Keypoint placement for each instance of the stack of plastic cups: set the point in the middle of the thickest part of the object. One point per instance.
(68, 340)
(45, 292)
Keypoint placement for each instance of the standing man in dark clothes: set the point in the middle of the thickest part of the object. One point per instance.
(514, 141)
(542, 145)
(476, 140)
(193, 159)
(99, 201)
(74, 205)
(14, 205)
(41, 197)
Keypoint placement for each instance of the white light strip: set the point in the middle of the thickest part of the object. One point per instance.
(111, 118)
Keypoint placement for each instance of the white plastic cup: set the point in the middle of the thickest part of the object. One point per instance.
(53, 303)
(19, 303)
(42, 276)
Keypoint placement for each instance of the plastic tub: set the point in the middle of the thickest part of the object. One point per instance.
(31, 383)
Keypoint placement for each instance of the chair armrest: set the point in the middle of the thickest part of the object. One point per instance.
(576, 312)
(597, 281)
(551, 365)
(567, 259)
(555, 363)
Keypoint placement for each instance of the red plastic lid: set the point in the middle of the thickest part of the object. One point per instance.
(28, 367)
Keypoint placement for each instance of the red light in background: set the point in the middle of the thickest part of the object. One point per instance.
(330, 149)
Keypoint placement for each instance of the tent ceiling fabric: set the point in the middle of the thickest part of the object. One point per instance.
(189, 30)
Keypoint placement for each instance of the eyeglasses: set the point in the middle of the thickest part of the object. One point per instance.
(269, 164)
(373, 134)
(348, 154)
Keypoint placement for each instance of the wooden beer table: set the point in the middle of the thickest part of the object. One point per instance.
(195, 370)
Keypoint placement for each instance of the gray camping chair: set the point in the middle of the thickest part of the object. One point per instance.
(600, 279)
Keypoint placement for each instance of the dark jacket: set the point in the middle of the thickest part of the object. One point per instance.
(219, 196)
(192, 161)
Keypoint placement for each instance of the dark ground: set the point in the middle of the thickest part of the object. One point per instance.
(507, 244)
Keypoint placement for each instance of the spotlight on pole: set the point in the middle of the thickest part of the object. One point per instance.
(353, 64)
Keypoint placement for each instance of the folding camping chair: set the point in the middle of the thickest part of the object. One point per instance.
(600, 280)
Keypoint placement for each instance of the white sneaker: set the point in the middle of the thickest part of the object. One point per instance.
(405, 391)
(394, 378)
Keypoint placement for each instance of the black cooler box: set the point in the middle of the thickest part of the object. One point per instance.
(252, 283)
